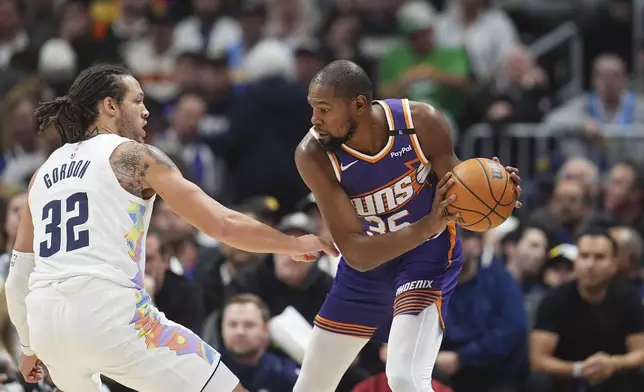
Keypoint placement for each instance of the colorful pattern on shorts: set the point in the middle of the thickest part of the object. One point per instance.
(135, 238)
(149, 324)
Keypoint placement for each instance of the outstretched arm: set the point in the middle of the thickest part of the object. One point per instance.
(139, 167)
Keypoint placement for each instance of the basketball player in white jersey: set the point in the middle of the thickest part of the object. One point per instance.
(75, 288)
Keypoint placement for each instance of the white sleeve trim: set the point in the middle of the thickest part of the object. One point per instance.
(16, 289)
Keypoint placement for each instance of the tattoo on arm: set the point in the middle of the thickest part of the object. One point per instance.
(160, 158)
(131, 163)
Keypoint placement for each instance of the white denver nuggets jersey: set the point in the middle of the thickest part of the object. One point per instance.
(85, 223)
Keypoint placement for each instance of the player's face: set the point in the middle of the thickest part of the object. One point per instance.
(334, 118)
(243, 330)
(595, 262)
(131, 119)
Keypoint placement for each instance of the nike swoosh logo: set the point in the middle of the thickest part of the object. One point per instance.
(343, 167)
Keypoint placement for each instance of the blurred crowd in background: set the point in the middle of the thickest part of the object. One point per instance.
(550, 86)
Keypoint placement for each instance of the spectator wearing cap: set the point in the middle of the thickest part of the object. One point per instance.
(589, 333)
(418, 68)
(556, 271)
(485, 343)
(245, 341)
(152, 58)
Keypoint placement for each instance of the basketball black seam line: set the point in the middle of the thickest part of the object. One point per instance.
(485, 216)
(505, 188)
(475, 195)
(489, 185)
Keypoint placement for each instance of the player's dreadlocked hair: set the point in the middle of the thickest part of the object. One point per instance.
(73, 114)
(347, 78)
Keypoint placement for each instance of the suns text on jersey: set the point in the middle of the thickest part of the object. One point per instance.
(394, 194)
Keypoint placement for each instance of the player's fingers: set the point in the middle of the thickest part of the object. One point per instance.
(453, 217)
(511, 169)
(444, 180)
(443, 189)
(518, 204)
(515, 178)
(331, 251)
(518, 190)
(447, 201)
(297, 257)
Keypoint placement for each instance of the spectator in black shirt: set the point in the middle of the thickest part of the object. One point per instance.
(589, 333)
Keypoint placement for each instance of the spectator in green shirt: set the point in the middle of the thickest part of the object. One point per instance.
(419, 69)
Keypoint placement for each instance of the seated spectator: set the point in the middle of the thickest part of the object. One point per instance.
(485, 31)
(182, 139)
(420, 69)
(624, 195)
(583, 170)
(215, 270)
(566, 212)
(589, 333)
(282, 282)
(610, 103)
(485, 344)
(517, 95)
(379, 382)
(179, 298)
(209, 30)
(245, 340)
(179, 237)
(525, 251)
(630, 254)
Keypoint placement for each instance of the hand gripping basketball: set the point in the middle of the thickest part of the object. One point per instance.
(439, 217)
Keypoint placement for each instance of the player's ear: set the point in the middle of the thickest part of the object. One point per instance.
(109, 106)
(361, 104)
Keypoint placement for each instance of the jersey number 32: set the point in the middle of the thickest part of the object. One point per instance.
(65, 215)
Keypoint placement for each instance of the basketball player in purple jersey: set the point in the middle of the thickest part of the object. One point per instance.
(374, 168)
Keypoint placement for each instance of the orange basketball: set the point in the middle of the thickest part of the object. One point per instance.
(484, 194)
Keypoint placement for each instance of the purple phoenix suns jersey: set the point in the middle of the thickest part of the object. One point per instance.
(389, 191)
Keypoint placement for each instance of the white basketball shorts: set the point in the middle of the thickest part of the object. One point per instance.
(84, 327)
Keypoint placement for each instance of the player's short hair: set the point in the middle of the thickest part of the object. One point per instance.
(347, 78)
(74, 113)
(247, 298)
(598, 231)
